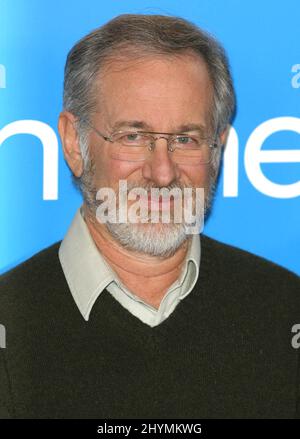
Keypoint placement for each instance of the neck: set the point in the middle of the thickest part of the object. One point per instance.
(148, 277)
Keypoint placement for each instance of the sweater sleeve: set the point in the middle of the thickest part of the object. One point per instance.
(298, 388)
(6, 409)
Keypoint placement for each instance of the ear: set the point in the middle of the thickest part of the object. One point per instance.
(70, 142)
(224, 135)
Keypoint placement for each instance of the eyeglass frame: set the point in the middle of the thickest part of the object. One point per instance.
(171, 136)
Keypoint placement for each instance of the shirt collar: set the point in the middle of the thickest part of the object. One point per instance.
(88, 274)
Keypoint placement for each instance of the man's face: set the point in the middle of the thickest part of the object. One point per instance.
(151, 94)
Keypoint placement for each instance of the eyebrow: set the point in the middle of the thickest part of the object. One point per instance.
(130, 124)
(192, 127)
(138, 124)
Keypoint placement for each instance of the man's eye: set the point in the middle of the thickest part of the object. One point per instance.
(131, 138)
(186, 140)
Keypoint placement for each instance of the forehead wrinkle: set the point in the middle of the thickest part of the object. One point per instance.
(113, 67)
(138, 124)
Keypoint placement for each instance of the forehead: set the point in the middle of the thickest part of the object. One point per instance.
(160, 90)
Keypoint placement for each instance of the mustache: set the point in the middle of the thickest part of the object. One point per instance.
(148, 187)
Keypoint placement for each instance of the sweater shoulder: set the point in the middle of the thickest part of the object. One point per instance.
(247, 268)
(32, 274)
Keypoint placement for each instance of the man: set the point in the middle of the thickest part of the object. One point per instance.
(142, 319)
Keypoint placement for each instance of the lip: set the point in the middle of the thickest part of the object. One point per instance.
(155, 203)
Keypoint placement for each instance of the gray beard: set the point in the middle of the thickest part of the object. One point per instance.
(159, 239)
(152, 239)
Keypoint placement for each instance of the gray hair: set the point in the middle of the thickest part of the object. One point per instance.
(143, 35)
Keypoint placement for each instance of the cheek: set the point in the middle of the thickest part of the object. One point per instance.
(196, 176)
(110, 171)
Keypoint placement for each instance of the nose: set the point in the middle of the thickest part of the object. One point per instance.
(160, 168)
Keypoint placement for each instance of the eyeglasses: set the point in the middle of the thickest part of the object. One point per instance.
(137, 146)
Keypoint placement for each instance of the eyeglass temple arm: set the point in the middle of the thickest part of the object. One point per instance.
(97, 131)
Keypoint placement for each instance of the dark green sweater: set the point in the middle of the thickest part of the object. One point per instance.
(225, 352)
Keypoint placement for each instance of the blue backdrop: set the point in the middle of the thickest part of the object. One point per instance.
(257, 203)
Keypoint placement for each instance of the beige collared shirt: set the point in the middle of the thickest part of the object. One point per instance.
(88, 274)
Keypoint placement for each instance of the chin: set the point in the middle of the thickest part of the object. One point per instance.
(156, 239)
